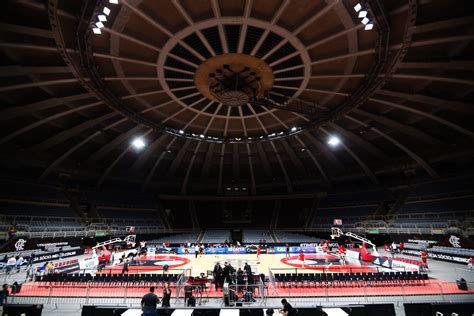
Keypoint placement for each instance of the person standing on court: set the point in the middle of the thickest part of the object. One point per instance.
(301, 257)
(196, 250)
(166, 295)
(217, 274)
(287, 250)
(149, 303)
(258, 252)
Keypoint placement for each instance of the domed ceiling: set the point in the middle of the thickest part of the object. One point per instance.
(236, 94)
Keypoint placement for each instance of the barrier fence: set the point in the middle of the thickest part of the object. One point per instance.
(297, 292)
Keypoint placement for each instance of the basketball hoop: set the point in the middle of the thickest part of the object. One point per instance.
(335, 232)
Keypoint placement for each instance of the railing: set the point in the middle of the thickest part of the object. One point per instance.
(130, 294)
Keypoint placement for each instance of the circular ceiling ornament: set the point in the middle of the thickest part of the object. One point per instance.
(278, 55)
(233, 79)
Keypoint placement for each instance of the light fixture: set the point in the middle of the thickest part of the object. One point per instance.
(99, 24)
(365, 21)
(281, 133)
(368, 27)
(138, 143)
(238, 139)
(181, 132)
(194, 135)
(102, 17)
(96, 30)
(362, 14)
(293, 129)
(106, 11)
(357, 7)
(202, 136)
(113, 1)
(334, 141)
(261, 137)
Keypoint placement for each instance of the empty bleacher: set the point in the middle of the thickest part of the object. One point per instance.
(286, 237)
(255, 235)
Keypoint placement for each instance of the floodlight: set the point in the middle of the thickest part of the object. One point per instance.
(138, 143)
(334, 141)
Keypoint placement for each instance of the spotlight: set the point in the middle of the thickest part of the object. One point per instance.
(369, 26)
(357, 7)
(99, 25)
(181, 132)
(365, 21)
(113, 1)
(102, 17)
(362, 14)
(202, 136)
(106, 11)
(96, 30)
(334, 141)
(138, 143)
(293, 129)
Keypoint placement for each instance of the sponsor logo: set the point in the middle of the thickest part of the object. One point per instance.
(20, 245)
(454, 241)
(53, 244)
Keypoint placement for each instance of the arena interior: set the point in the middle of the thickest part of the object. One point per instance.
(242, 157)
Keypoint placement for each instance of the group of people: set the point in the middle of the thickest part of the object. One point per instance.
(15, 263)
(150, 300)
(230, 274)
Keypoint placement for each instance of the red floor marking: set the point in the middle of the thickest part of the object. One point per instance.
(328, 267)
(117, 269)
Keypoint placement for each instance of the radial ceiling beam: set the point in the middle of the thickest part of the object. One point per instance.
(190, 167)
(235, 162)
(253, 187)
(207, 160)
(68, 133)
(426, 114)
(179, 157)
(409, 152)
(61, 158)
(188, 171)
(18, 70)
(443, 24)
(444, 104)
(220, 27)
(329, 5)
(48, 119)
(403, 128)
(264, 160)
(352, 44)
(243, 31)
(364, 167)
(294, 159)
(24, 30)
(221, 170)
(274, 20)
(315, 161)
(156, 164)
(16, 111)
(283, 169)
